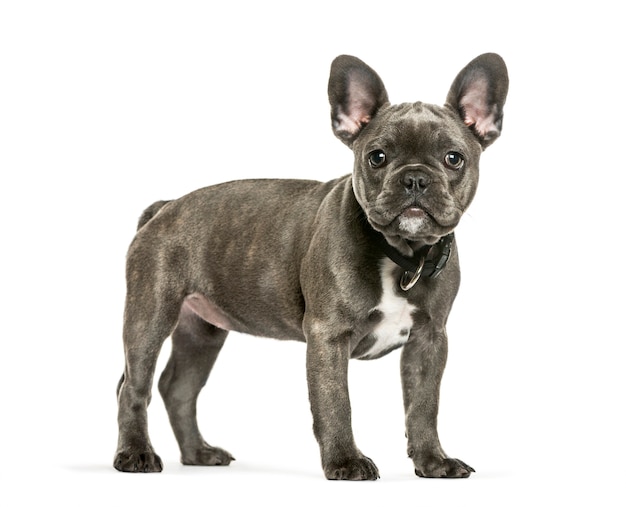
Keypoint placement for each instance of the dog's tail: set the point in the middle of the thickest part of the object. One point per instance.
(149, 213)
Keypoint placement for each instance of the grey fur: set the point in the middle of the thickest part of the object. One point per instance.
(309, 270)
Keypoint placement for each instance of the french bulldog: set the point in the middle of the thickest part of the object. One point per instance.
(355, 268)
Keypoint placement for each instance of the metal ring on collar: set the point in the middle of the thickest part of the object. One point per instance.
(407, 285)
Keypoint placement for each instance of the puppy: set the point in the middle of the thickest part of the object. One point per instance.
(355, 268)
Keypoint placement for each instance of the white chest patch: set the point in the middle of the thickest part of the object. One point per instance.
(395, 327)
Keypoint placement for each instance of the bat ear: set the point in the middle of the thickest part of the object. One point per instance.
(355, 93)
(478, 95)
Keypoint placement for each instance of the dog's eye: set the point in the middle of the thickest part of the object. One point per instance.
(454, 160)
(377, 158)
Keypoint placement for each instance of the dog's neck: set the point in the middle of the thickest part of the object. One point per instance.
(425, 260)
(401, 245)
(405, 247)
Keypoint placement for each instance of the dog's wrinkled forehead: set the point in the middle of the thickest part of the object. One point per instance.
(415, 127)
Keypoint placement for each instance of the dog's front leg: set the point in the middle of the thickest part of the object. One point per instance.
(422, 364)
(327, 375)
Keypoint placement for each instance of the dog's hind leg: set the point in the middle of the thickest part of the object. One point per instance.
(151, 313)
(195, 347)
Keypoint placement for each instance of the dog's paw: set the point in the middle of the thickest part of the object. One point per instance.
(129, 461)
(447, 468)
(352, 469)
(207, 456)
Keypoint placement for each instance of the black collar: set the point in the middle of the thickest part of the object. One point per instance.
(428, 261)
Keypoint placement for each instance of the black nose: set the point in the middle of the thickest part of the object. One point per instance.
(416, 182)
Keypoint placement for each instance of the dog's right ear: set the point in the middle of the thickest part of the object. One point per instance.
(355, 93)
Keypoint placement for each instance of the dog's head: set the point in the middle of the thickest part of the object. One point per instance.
(416, 165)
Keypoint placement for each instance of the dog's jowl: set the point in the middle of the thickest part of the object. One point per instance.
(354, 268)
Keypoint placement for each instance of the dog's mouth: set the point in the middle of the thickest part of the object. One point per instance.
(444, 217)
(413, 212)
(415, 221)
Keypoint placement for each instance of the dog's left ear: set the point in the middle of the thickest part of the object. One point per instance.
(478, 94)
(355, 93)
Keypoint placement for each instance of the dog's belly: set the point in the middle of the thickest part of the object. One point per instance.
(396, 322)
(277, 325)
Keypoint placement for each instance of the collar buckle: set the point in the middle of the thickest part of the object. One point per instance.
(445, 246)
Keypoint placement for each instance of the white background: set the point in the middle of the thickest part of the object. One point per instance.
(106, 107)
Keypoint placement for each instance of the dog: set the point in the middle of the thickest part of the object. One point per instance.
(354, 267)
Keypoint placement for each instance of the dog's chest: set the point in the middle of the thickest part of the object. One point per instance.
(394, 328)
